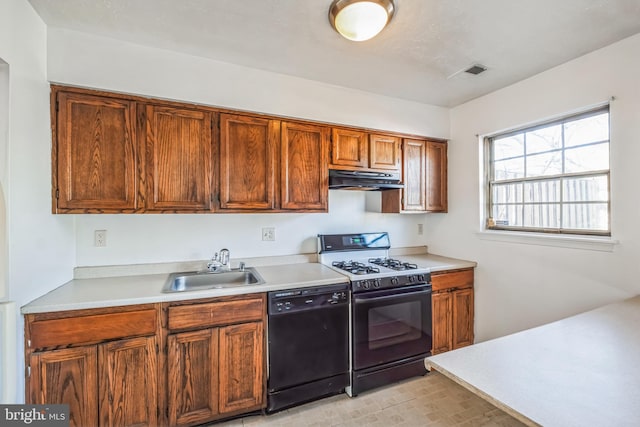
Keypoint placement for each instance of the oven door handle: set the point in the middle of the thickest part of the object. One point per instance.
(393, 293)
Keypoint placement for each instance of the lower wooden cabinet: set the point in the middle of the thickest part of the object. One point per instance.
(178, 363)
(113, 383)
(218, 369)
(452, 310)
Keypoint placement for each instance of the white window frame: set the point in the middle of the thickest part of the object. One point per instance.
(537, 235)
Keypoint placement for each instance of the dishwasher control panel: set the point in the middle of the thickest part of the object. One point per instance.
(307, 298)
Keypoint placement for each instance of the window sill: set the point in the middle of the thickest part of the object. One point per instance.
(603, 244)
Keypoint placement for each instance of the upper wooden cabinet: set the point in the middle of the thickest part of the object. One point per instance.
(437, 197)
(94, 153)
(384, 152)
(272, 165)
(248, 162)
(349, 149)
(352, 150)
(304, 167)
(117, 153)
(178, 159)
(424, 174)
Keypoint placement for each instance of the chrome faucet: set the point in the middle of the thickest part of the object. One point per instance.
(219, 262)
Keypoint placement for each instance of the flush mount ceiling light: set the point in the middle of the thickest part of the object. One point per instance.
(360, 20)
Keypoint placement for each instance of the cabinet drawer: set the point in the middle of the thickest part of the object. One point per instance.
(215, 313)
(457, 279)
(92, 328)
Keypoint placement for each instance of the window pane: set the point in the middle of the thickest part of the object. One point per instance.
(508, 215)
(544, 164)
(511, 146)
(542, 191)
(585, 216)
(507, 193)
(587, 158)
(584, 131)
(544, 139)
(542, 215)
(508, 169)
(595, 188)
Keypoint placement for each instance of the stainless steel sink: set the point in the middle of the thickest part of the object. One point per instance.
(199, 280)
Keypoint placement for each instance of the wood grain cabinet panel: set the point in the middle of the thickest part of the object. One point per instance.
(384, 152)
(242, 367)
(178, 159)
(452, 310)
(67, 376)
(128, 382)
(248, 162)
(94, 153)
(437, 200)
(193, 377)
(349, 149)
(462, 334)
(219, 313)
(442, 309)
(304, 175)
(414, 153)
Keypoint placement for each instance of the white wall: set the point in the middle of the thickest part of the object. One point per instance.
(522, 285)
(41, 246)
(83, 60)
(4, 166)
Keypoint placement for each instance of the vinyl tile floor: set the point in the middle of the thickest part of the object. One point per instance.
(432, 400)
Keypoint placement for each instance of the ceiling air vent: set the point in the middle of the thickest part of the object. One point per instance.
(476, 69)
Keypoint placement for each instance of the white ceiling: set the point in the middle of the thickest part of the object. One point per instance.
(416, 57)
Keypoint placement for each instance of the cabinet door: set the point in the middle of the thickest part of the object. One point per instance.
(414, 175)
(242, 361)
(128, 382)
(192, 362)
(462, 318)
(95, 153)
(441, 306)
(349, 148)
(178, 159)
(384, 152)
(248, 162)
(304, 181)
(67, 376)
(436, 176)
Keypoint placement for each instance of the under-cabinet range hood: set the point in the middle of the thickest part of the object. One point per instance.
(363, 180)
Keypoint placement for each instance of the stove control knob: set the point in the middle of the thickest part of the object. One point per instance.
(412, 279)
(394, 281)
(421, 277)
(376, 283)
(366, 284)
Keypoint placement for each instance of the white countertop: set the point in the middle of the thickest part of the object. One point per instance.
(579, 371)
(98, 292)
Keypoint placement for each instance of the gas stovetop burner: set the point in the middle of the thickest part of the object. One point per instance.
(355, 267)
(393, 264)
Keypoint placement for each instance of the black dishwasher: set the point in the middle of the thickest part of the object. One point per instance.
(308, 336)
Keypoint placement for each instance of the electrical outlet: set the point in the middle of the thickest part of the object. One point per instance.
(100, 238)
(269, 234)
(420, 229)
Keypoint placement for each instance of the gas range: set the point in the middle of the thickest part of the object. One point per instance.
(364, 258)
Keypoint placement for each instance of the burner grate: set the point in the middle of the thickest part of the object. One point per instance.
(393, 264)
(355, 267)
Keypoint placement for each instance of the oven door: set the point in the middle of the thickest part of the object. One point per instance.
(391, 325)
